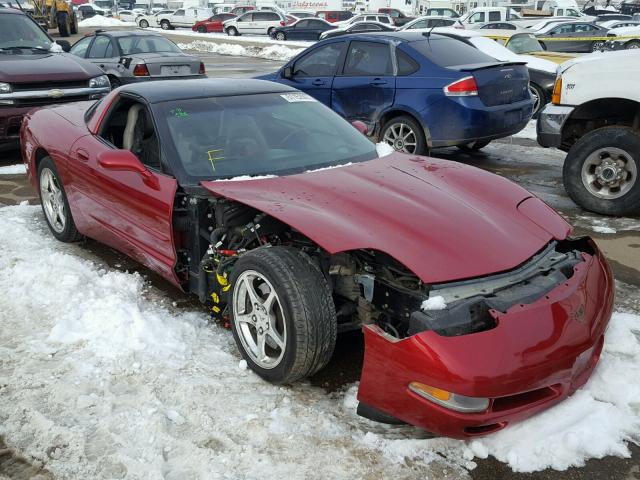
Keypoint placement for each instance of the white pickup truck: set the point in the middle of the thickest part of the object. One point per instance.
(598, 123)
(184, 17)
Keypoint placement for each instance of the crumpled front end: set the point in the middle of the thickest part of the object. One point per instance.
(506, 348)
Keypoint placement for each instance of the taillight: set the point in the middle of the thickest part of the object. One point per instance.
(140, 70)
(282, 23)
(462, 88)
(202, 71)
(557, 91)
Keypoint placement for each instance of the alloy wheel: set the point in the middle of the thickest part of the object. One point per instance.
(280, 36)
(597, 46)
(609, 173)
(401, 137)
(144, 24)
(536, 99)
(52, 201)
(259, 319)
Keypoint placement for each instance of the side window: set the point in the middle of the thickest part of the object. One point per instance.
(560, 12)
(478, 17)
(246, 18)
(384, 20)
(178, 13)
(494, 16)
(563, 29)
(368, 59)
(406, 65)
(370, 18)
(420, 24)
(394, 13)
(583, 27)
(100, 47)
(320, 62)
(302, 24)
(80, 48)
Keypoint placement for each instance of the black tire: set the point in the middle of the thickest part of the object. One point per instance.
(541, 98)
(597, 46)
(622, 138)
(394, 124)
(474, 146)
(307, 307)
(165, 25)
(63, 24)
(202, 29)
(270, 31)
(74, 24)
(115, 82)
(281, 36)
(143, 23)
(69, 233)
(232, 32)
(632, 45)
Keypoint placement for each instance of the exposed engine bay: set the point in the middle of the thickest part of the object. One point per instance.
(368, 286)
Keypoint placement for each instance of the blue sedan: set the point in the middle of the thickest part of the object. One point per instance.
(415, 91)
(303, 29)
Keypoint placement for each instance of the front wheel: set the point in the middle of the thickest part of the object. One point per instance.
(283, 316)
(281, 36)
(165, 25)
(597, 46)
(144, 24)
(404, 135)
(600, 172)
(55, 204)
(63, 24)
(232, 31)
(202, 29)
(474, 146)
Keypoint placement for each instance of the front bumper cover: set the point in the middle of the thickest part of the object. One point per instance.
(551, 120)
(537, 355)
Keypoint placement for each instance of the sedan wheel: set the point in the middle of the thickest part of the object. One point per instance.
(202, 29)
(280, 36)
(597, 46)
(404, 135)
(144, 24)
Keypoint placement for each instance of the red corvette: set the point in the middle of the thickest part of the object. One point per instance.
(477, 307)
(212, 24)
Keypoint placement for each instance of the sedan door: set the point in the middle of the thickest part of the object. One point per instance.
(314, 72)
(104, 55)
(366, 86)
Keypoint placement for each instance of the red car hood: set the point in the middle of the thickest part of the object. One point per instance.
(443, 220)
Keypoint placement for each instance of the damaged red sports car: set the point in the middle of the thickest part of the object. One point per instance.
(477, 307)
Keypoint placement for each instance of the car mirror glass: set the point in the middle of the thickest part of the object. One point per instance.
(287, 73)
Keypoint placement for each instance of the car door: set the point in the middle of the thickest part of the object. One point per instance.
(177, 19)
(244, 23)
(298, 30)
(81, 47)
(103, 54)
(314, 29)
(127, 210)
(366, 85)
(314, 72)
(560, 38)
(584, 32)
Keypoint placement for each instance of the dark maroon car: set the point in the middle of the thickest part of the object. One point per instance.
(32, 73)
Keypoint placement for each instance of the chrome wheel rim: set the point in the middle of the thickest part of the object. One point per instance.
(232, 32)
(164, 25)
(144, 24)
(597, 46)
(52, 201)
(401, 137)
(259, 319)
(536, 98)
(279, 36)
(609, 173)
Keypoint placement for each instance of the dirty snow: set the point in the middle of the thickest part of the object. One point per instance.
(263, 39)
(434, 303)
(100, 21)
(271, 52)
(528, 132)
(102, 378)
(241, 178)
(383, 149)
(598, 229)
(13, 169)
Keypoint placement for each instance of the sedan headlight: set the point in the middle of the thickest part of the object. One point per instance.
(450, 400)
(100, 82)
(5, 88)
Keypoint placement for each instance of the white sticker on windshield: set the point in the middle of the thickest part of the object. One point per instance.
(298, 97)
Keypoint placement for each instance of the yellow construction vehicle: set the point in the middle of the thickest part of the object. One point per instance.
(52, 14)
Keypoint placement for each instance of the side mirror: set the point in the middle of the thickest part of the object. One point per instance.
(360, 126)
(125, 161)
(287, 73)
(66, 46)
(543, 45)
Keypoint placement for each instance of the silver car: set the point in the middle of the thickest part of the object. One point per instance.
(132, 57)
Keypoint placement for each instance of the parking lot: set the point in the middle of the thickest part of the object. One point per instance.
(518, 158)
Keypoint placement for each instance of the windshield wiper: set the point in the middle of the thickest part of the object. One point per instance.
(25, 48)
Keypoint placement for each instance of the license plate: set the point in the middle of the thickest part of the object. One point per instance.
(169, 70)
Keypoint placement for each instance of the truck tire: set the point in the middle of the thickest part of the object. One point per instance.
(166, 25)
(601, 171)
(63, 24)
(74, 24)
(283, 317)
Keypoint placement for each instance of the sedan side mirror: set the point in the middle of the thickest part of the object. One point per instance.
(287, 73)
(125, 161)
(360, 126)
(66, 46)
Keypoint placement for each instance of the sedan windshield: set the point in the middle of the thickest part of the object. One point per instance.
(19, 31)
(524, 43)
(265, 134)
(150, 44)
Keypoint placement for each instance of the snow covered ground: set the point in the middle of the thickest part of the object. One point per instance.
(237, 39)
(271, 52)
(19, 168)
(101, 377)
(100, 21)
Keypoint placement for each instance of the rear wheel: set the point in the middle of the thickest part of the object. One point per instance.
(143, 23)
(404, 135)
(165, 25)
(54, 203)
(474, 146)
(74, 24)
(232, 31)
(283, 316)
(601, 170)
(597, 46)
(63, 24)
(281, 36)
(202, 29)
(539, 98)
(270, 31)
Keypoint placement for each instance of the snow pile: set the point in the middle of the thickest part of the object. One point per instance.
(271, 52)
(599, 229)
(434, 303)
(99, 379)
(13, 169)
(245, 38)
(383, 149)
(241, 178)
(100, 21)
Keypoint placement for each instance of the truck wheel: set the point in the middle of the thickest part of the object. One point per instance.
(165, 25)
(404, 135)
(143, 23)
(63, 24)
(539, 98)
(474, 146)
(283, 316)
(601, 170)
(74, 24)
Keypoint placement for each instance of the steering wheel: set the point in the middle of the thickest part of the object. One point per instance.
(290, 136)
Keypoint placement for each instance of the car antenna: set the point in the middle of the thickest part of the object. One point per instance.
(428, 34)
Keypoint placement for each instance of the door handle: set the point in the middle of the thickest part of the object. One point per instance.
(82, 154)
(101, 66)
(317, 82)
(378, 81)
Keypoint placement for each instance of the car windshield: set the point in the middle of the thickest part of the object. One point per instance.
(525, 43)
(146, 44)
(264, 134)
(20, 31)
